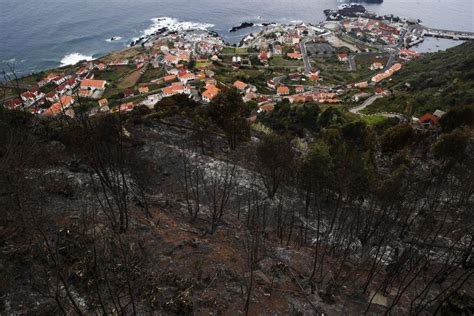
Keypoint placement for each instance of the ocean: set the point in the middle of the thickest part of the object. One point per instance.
(40, 34)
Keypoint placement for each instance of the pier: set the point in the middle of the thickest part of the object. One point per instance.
(456, 35)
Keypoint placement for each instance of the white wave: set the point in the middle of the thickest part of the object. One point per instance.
(296, 21)
(174, 25)
(9, 61)
(74, 58)
(115, 39)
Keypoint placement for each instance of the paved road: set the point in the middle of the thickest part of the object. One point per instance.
(352, 63)
(366, 103)
(307, 64)
(369, 101)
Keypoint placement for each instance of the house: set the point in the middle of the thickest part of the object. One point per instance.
(283, 90)
(292, 39)
(169, 78)
(428, 119)
(239, 85)
(376, 66)
(63, 103)
(360, 96)
(61, 90)
(101, 67)
(52, 97)
(211, 92)
(184, 77)
(152, 100)
(171, 59)
(363, 84)
(408, 54)
(266, 108)
(14, 104)
(103, 102)
(249, 96)
(272, 84)
(175, 88)
(143, 90)
(379, 77)
(127, 93)
(93, 84)
(183, 57)
(396, 67)
(298, 99)
(277, 49)
(61, 80)
(439, 113)
(264, 56)
(85, 93)
(299, 89)
(28, 97)
(201, 76)
(49, 78)
(295, 55)
(343, 58)
(82, 71)
(263, 99)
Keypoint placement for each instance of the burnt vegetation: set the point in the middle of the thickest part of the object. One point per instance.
(188, 210)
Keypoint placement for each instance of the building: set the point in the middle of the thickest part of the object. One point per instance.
(283, 90)
(343, 58)
(277, 49)
(264, 56)
(272, 84)
(376, 66)
(185, 77)
(249, 96)
(298, 99)
(211, 92)
(103, 102)
(60, 106)
(93, 84)
(266, 108)
(363, 84)
(428, 119)
(295, 55)
(171, 59)
(175, 88)
(299, 89)
(239, 85)
(127, 93)
(143, 90)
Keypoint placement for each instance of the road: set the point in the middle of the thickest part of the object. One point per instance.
(366, 103)
(307, 64)
(369, 101)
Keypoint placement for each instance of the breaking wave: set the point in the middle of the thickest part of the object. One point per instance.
(174, 25)
(74, 58)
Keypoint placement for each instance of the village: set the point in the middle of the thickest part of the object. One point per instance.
(339, 63)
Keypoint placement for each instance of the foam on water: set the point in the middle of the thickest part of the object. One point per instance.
(174, 25)
(116, 39)
(74, 58)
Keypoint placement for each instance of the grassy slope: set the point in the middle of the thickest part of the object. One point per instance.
(438, 81)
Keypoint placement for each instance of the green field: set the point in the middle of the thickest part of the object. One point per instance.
(279, 61)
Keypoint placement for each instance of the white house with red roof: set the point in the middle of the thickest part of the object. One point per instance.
(343, 58)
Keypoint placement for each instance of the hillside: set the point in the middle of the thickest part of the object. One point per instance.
(442, 80)
(184, 210)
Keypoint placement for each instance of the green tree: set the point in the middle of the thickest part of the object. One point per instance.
(457, 118)
(228, 112)
(397, 137)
